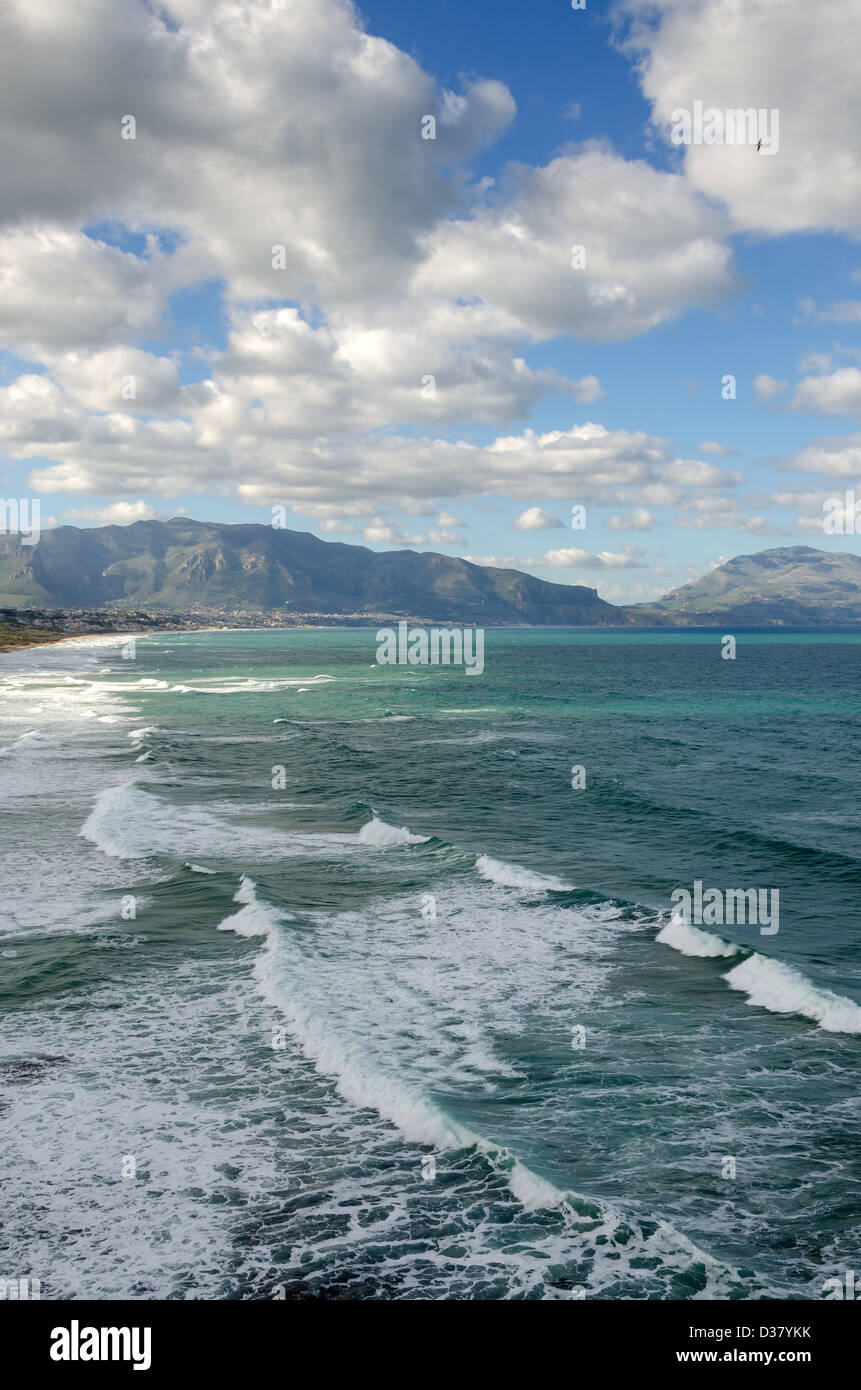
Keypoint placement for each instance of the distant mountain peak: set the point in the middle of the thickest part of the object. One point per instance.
(784, 585)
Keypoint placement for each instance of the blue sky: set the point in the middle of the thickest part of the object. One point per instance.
(149, 260)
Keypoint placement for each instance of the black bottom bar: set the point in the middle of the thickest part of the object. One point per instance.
(242, 1337)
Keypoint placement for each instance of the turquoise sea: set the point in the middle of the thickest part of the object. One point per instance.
(298, 954)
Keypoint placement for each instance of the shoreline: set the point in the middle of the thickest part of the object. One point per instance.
(54, 641)
(27, 645)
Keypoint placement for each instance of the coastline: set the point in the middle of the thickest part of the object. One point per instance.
(34, 642)
(18, 637)
(42, 641)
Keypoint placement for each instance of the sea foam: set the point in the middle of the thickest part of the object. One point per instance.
(692, 941)
(513, 876)
(419, 1119)
(130, 822)
(782, 989)
(771, 984)
(380, 834)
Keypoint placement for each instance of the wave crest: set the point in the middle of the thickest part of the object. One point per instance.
(782, 989)
(513, 876)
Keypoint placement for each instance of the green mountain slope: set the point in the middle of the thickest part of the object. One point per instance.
(787, 585)
(183, 565)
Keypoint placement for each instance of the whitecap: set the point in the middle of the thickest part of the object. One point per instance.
(780, 988)
(692, 941)
(380, 834)
(513, 876)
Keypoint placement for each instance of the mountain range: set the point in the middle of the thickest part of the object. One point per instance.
(184, 565)
(188, 566)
